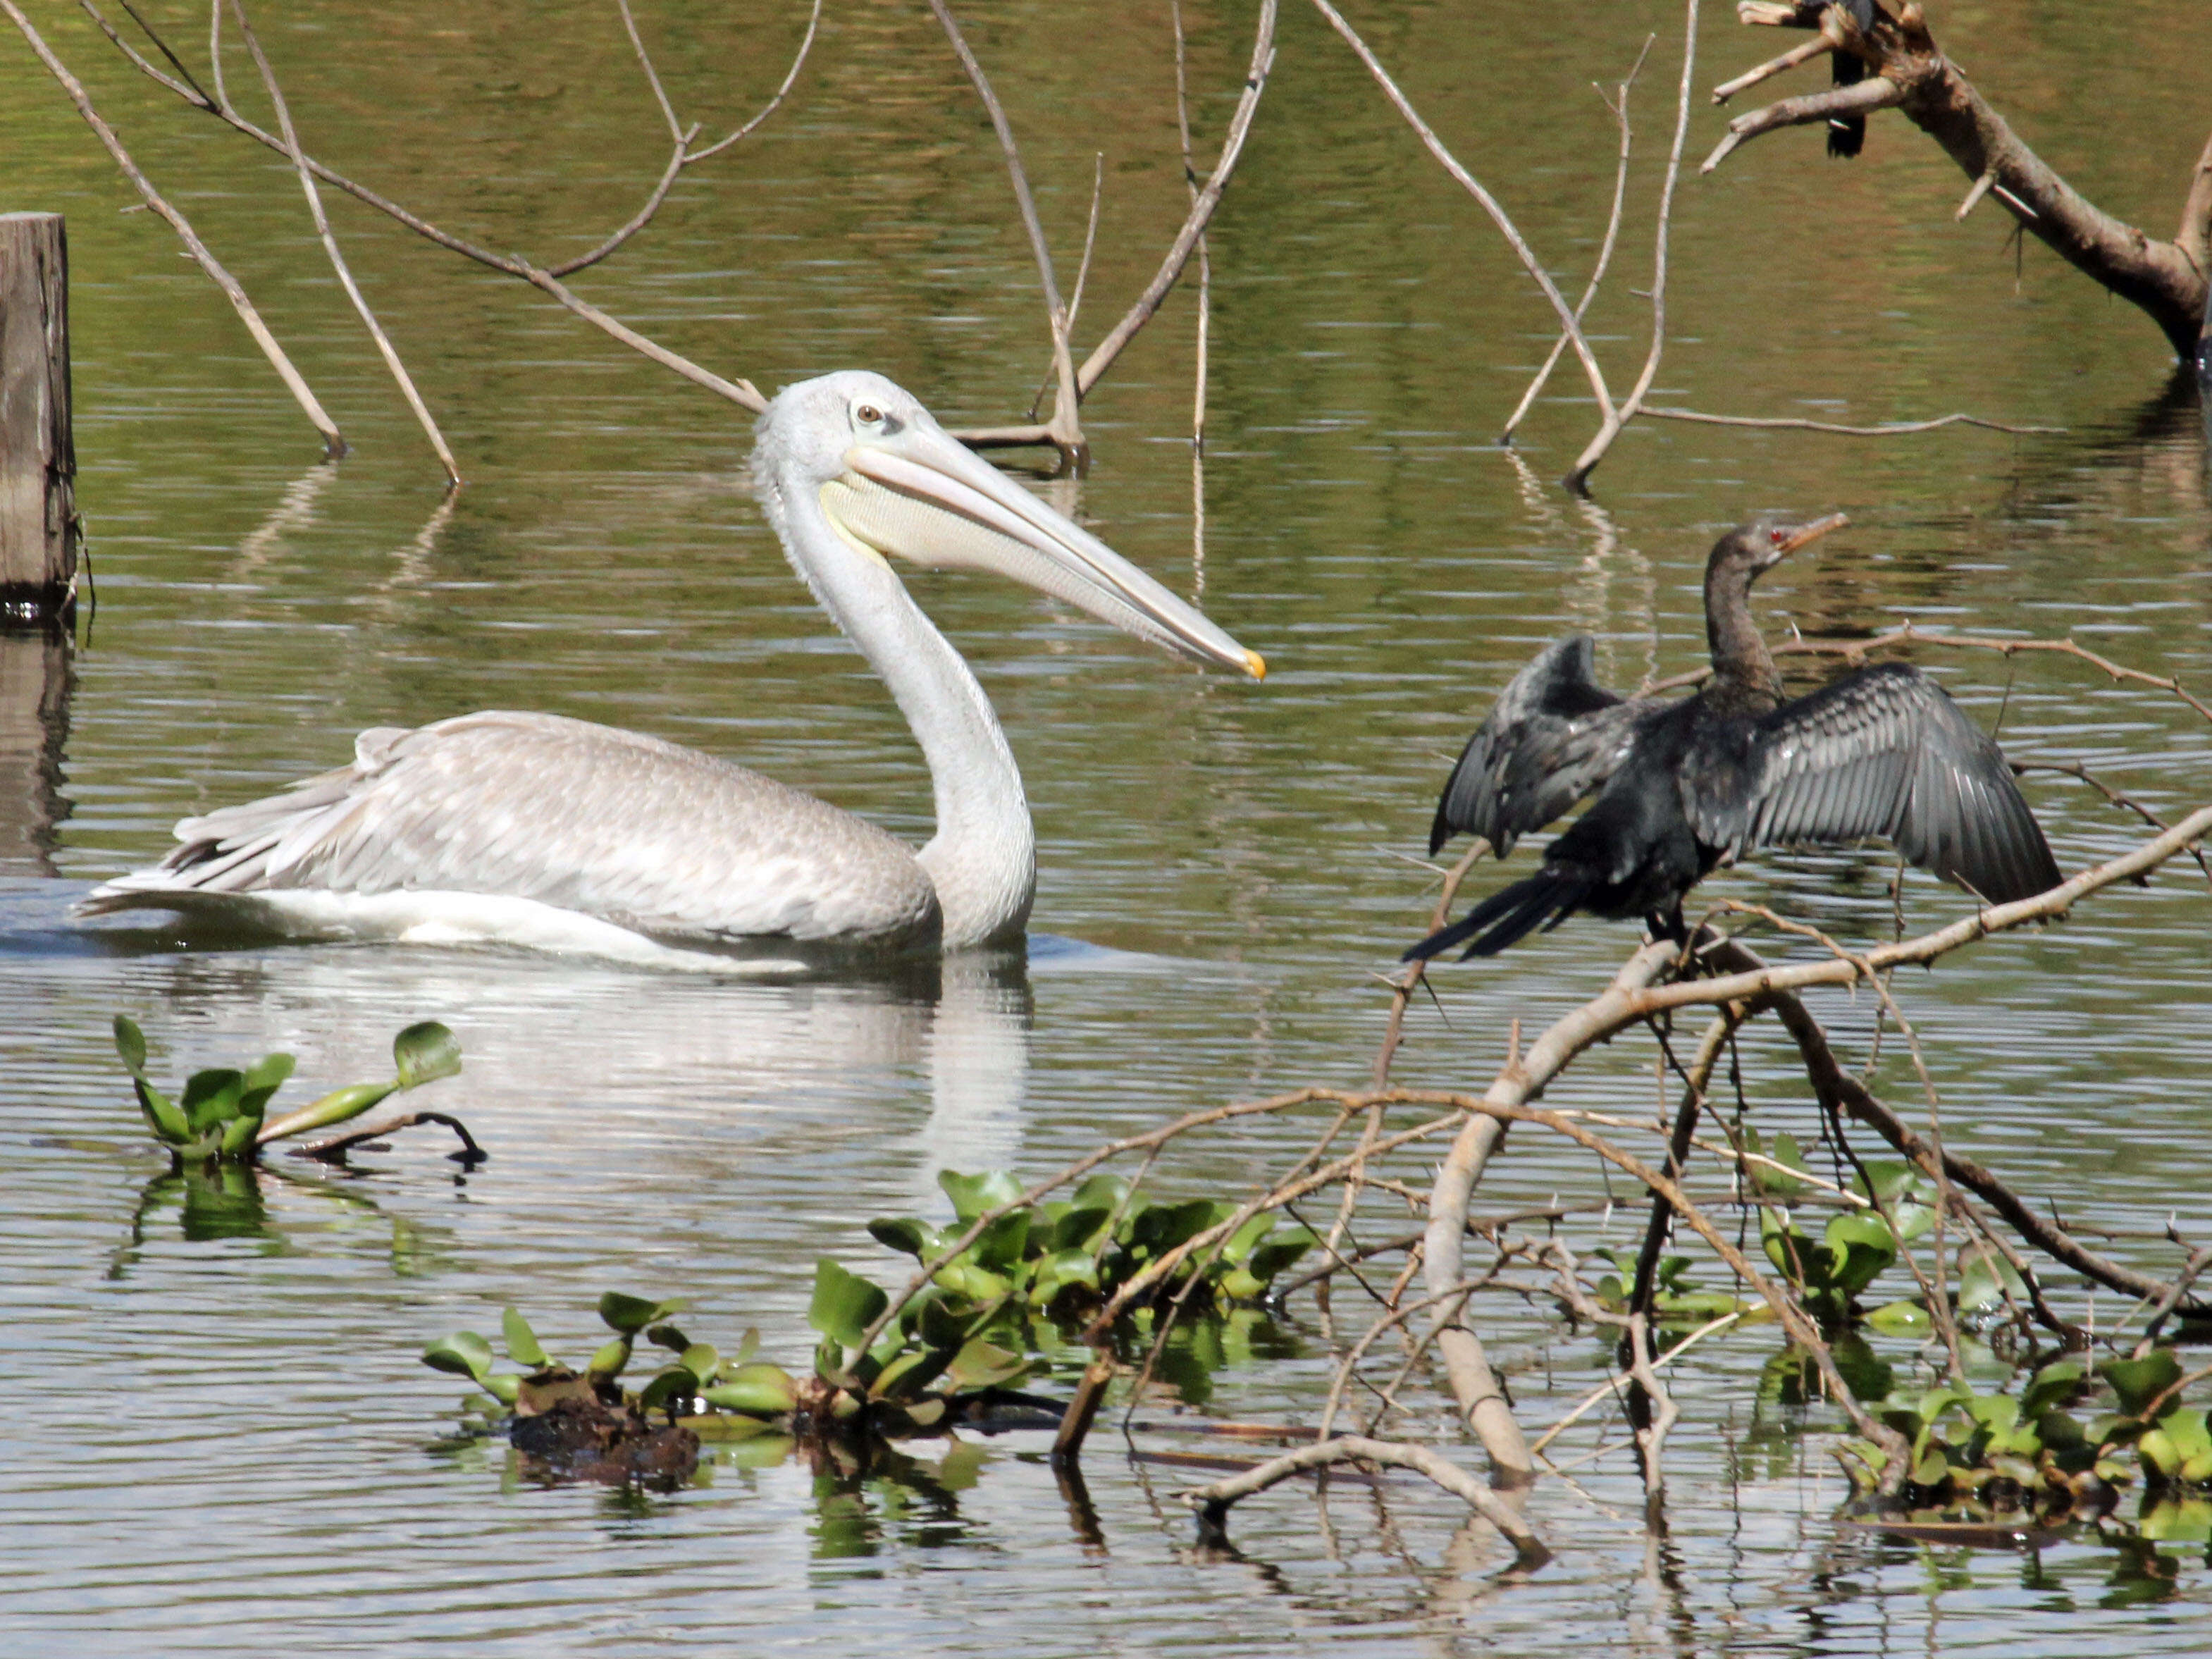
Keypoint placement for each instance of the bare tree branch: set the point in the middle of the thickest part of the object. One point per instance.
(384, 346)
(2167, 280)
(334, 443)
(1618, 104)
(1213, 1503)
(1066, 426)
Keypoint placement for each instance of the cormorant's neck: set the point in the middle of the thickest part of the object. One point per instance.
(982, 860)
(1743, 670)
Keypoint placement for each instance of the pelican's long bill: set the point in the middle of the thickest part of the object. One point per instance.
(917, 492)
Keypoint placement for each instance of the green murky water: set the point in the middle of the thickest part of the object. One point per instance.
(224, 1443)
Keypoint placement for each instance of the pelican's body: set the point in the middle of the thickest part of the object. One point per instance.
(539, 829)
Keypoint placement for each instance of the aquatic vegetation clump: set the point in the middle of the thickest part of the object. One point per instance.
(1994, 1454)
(930, 1368)
(1073, 1256)
(222, 1116)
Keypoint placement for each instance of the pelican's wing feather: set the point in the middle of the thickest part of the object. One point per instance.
(644, 833)
(1553, 739)
(1885, 751)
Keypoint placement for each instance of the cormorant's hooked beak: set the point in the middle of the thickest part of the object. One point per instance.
(1784, 539)
(919, 493)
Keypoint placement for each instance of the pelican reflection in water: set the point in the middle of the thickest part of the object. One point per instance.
(535, 828)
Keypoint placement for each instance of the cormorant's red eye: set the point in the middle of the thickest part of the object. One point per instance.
(1774, 536)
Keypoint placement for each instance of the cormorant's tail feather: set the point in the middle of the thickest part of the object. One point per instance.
(1543, 900)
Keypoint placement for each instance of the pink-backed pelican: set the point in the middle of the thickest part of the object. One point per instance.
(535, 828)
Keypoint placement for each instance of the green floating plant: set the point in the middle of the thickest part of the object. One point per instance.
(1071, 1256)
(928, 1363)
(2029, 1449)
(222, 1115)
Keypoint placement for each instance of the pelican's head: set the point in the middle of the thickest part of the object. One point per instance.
(891, 481)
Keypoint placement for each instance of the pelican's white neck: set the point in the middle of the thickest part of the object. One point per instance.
(982, 860)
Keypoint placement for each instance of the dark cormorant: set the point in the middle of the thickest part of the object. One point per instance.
(1847, 133)
(1686, 785)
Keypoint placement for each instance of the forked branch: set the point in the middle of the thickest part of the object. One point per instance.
(2166, 279)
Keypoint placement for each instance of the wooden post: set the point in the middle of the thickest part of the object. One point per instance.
(38, 526)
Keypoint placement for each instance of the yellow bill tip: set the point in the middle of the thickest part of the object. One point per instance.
(1255, 664)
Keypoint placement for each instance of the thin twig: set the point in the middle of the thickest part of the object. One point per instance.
(384, 346)
(1065, 424)
(1890, 429)
(1618, 104)
(1213, 1503)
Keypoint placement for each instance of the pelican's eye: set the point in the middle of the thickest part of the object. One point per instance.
(868, 415)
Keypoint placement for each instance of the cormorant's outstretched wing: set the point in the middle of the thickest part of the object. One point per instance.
(1555, 737)
(1884, 752)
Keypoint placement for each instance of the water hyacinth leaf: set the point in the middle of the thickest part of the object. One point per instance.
(1159, 1228)
(844, 1304)
(701, 1360)
(464, 1353)
(129, 1044)
(425, 1053)
(939, 1325)
(335, 1107)
(169, 1125)
(677, 1385)
(1240, 1243)
(1996, 1412)
(1280, 1254)
(238, 1135)
(1078, 1227)
(924, 1413)
(522, 1344)
(2139, 1382)
(1239, 1284)
(211, 1098)
(2186, 1427)
(748, 1346)
(1912, 1220)
(757, 1390)
(2054, 1384)
(981, 1365)
(906, 1234)
(1861, 1247)
(609, 1360)
(1886, 1180)
(1001, 1245)
(972, 1195)
(1100, 1192)
(1931, 1467)
(1900, 1319)
(909, 1374)
(668, 1337)
(269, 1073)
(631, 1314)
(503, 1388)
(1986, 1280)
(1769, 1180)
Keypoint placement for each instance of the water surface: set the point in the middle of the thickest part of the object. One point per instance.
(229, 1446)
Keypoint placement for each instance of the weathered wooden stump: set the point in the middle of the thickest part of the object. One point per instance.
(39, 526)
